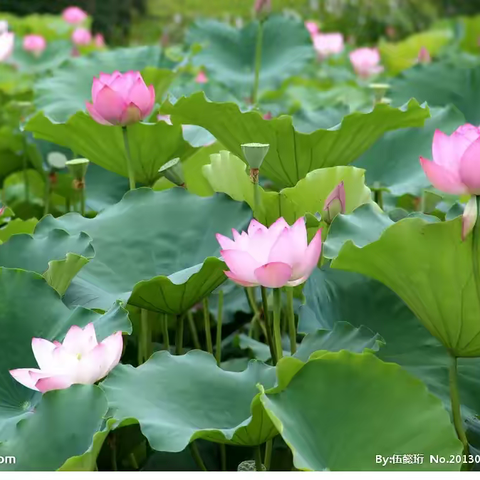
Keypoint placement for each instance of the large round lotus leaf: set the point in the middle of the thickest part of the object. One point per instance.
(228, 174)
(66, 92)
(229, 53)
(104, 145)
(13, 227)
(431, 269)
(292, 154)
(177, 399)
(393, 162)
(29, 308)
(161, 241)
(454, 84)
(334, 296)
(55, 54)
(58, 256)
(342, 410)
(63, 425)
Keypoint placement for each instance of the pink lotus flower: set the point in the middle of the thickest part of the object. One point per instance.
(262, 5)
(99, 40)
(366, 61)
(271, 257)
(7, 41)
(74, 15)
(312, 28)
(201, 77)
(35, 44)
(456, 161)
(424, 56)
(327, 44)
(120, 99)
(81, 36)
(80, 359)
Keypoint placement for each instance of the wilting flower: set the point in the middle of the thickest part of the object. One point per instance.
(335, 203)
(99, 40)
(120, 99)
(312, 28)
(366, 61)
(74, 15)
(455, 168)
(81, 36)
(327, 44)
(7, 41)
(80, 359)
(201, 77)
(35, 44)
(271, 257)
(424, 56)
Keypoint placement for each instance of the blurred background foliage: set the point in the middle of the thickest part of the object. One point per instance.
(145, 21)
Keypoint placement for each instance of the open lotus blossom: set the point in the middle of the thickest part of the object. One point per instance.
(7, 41)
(81, 36)
(74, 15)
(201, 77)
(80, 359)
(366, 61)
(272, 257)
(312, 27)
(120, 99)
(35, 44)
(327, 44)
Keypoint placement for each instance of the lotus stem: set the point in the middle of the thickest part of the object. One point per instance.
(128, 156)
(455, 402)
(218, 348)
(277, 331)
(82, 201)
(258, 63)
(179, 335)
(193, 330)
(46, 199)
(25, 170)
(268, 325)
(223, 457)
(258, 459)
(268, 454)
(208, 332)
(292, 329)
(144, 339)
(166, 339)
(197, 457)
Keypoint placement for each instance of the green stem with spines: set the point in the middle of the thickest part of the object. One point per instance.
(128, 156)
(268, 454)
(277, 329)
(166, 339)
(197, 457)
(292, 329)
(208, 332)
(268, 325)
(193, 330)
(258, 459)
(258, 62)
(179, 335)
(455, 403)
(218, 347)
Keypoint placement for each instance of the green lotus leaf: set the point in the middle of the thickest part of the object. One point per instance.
(408, 342)
(431, 269)
(292, 154)
(177, 399)
(228, 174)
(31, 308)
(393, 162)
(455, 84)
(320, 409)
(65, 92)
(104, 145)
(167, 247)
(74, 421)
(16, 226)
(229, 53)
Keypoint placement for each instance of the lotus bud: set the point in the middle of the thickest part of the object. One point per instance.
(262, 6)
(335, 203)
(74, 15)
(35, 44)
(78, 169)
(470, 216)
(173, 171)
(81, 36)
(424, 56)
(254, 154)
